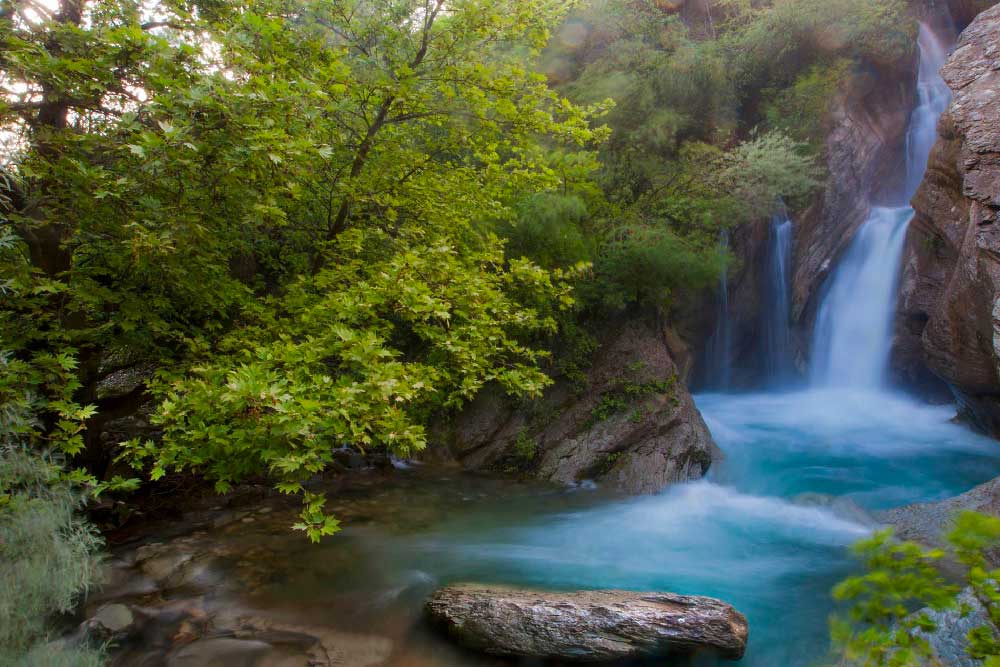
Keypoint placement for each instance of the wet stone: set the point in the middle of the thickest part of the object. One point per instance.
(219, 652)
(114, 618)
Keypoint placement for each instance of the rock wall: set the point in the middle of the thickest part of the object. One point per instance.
(929, 523)
(869, 120)
(962, 12)
(949, 310)
(631, 425)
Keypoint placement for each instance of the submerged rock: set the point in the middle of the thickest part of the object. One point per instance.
(114, 618)
(587, 626)
(220, 651)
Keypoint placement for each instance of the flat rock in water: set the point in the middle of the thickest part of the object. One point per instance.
(587, 626)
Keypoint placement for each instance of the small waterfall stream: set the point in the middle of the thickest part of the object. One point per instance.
(853, 329)
(777, 330)
(719, 349)
(933, 97)
(852, 339)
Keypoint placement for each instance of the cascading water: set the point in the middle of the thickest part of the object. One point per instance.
(853, 329)
(777, 331)
(718, 351)
(933, 96)
(853, 333)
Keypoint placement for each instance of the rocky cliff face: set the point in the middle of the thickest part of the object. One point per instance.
(868, 130)
(868, 122)
(631, 424)
(950, 296)
(962, 12)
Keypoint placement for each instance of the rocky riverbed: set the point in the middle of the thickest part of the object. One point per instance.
(230, 583)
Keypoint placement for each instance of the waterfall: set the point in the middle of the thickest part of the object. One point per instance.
(853, 330)
(853, 335)
(933, 97)
(777, 311)
(718, 357)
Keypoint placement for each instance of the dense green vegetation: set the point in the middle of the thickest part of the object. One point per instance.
(281, 206)
(323, 222)
(886, 623)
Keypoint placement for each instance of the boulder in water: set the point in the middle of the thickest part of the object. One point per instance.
(587, 626)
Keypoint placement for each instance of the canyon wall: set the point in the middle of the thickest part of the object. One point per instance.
(864, 149)
(949, 309)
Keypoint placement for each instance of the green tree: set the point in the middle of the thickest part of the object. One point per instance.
(279, 203)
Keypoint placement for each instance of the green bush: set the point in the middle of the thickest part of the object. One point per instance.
(882, 625)
(50, 558)
(645, 265)
(801, 109)
(777, 42)
(548, 230)
(525, 448)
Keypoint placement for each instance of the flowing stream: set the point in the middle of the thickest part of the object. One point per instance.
(768, 531)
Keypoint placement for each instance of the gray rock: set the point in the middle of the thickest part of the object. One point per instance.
(928, 523)
(587, 626)
(114, 618)
(124, 381)
(950, 640)
(631, 425)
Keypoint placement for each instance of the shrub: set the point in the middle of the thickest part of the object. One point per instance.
(801, 109)
(779, 41)
(548, 231)
(883, 626)
(525, 448)
(645, 265)
(49, 556)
